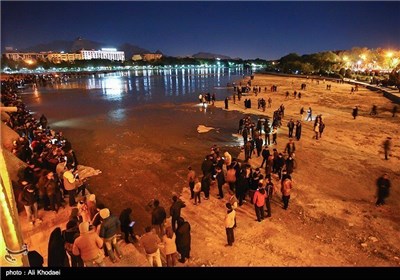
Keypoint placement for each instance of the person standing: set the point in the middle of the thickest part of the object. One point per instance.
(383, 184)
(220, 178)
(57, 256)
(70, 186)
(226, 103)
(127, 225)
(169, 240)
(265, 154)
(394, 111)
(301, 112)
(298, 130)
(269, 189)
(28, 198)
(290, 147)
(286, 189)
(197, 190)
(69, 235)
(259, 201)
(267, 131)
(386, 147)
(88, 245)
(150, 242)
(259, 144)
(108, 231)
(158, 217)
(290, 125)
(274, 135)
(230, 224)
(175, 210)
(191, 177)
(355, 112)
(183, 239)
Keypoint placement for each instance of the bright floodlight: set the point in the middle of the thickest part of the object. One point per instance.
(389, 54)
(109, 49)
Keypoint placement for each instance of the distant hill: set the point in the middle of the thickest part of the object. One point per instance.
(81, 43)
(130, 50)
(210, 55)
(57, 46)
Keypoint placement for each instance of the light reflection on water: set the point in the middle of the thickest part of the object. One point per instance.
(159, 85)
(120, 91)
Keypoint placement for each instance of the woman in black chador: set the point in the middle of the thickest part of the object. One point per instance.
(57, 256)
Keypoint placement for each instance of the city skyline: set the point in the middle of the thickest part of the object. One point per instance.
(267, 30)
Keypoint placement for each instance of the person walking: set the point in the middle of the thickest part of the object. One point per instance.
(309, 114)
(386, 147)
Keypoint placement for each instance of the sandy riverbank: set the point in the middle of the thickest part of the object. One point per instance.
(332, 219)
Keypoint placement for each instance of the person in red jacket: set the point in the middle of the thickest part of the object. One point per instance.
(286, 189)
(259, 201)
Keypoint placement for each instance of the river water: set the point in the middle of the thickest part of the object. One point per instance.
(140, 129)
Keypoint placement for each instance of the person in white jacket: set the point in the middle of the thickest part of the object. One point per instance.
(229, 224)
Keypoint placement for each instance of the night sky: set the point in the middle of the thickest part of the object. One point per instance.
(267, 30)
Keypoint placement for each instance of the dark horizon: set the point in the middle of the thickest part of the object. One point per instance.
(249, 30)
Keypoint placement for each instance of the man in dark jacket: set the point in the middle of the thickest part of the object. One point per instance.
(108, 231)
(127, 224)
(175, 210)
(158, 217)
(265, 154)
(298, 130)
(28, 199)
(290, 126)
(220, 178)
(183, 239)
(259, 143)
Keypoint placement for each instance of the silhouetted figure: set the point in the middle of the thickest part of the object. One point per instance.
(57, 256)
(226, 103)
(127, 225)
(386, 147)
(183, 239)
(355, 112)
(394, 110)
(383, 184)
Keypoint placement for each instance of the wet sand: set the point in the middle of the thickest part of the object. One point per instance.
(143, 151)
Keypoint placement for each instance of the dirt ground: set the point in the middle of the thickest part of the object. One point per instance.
(332, 219)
